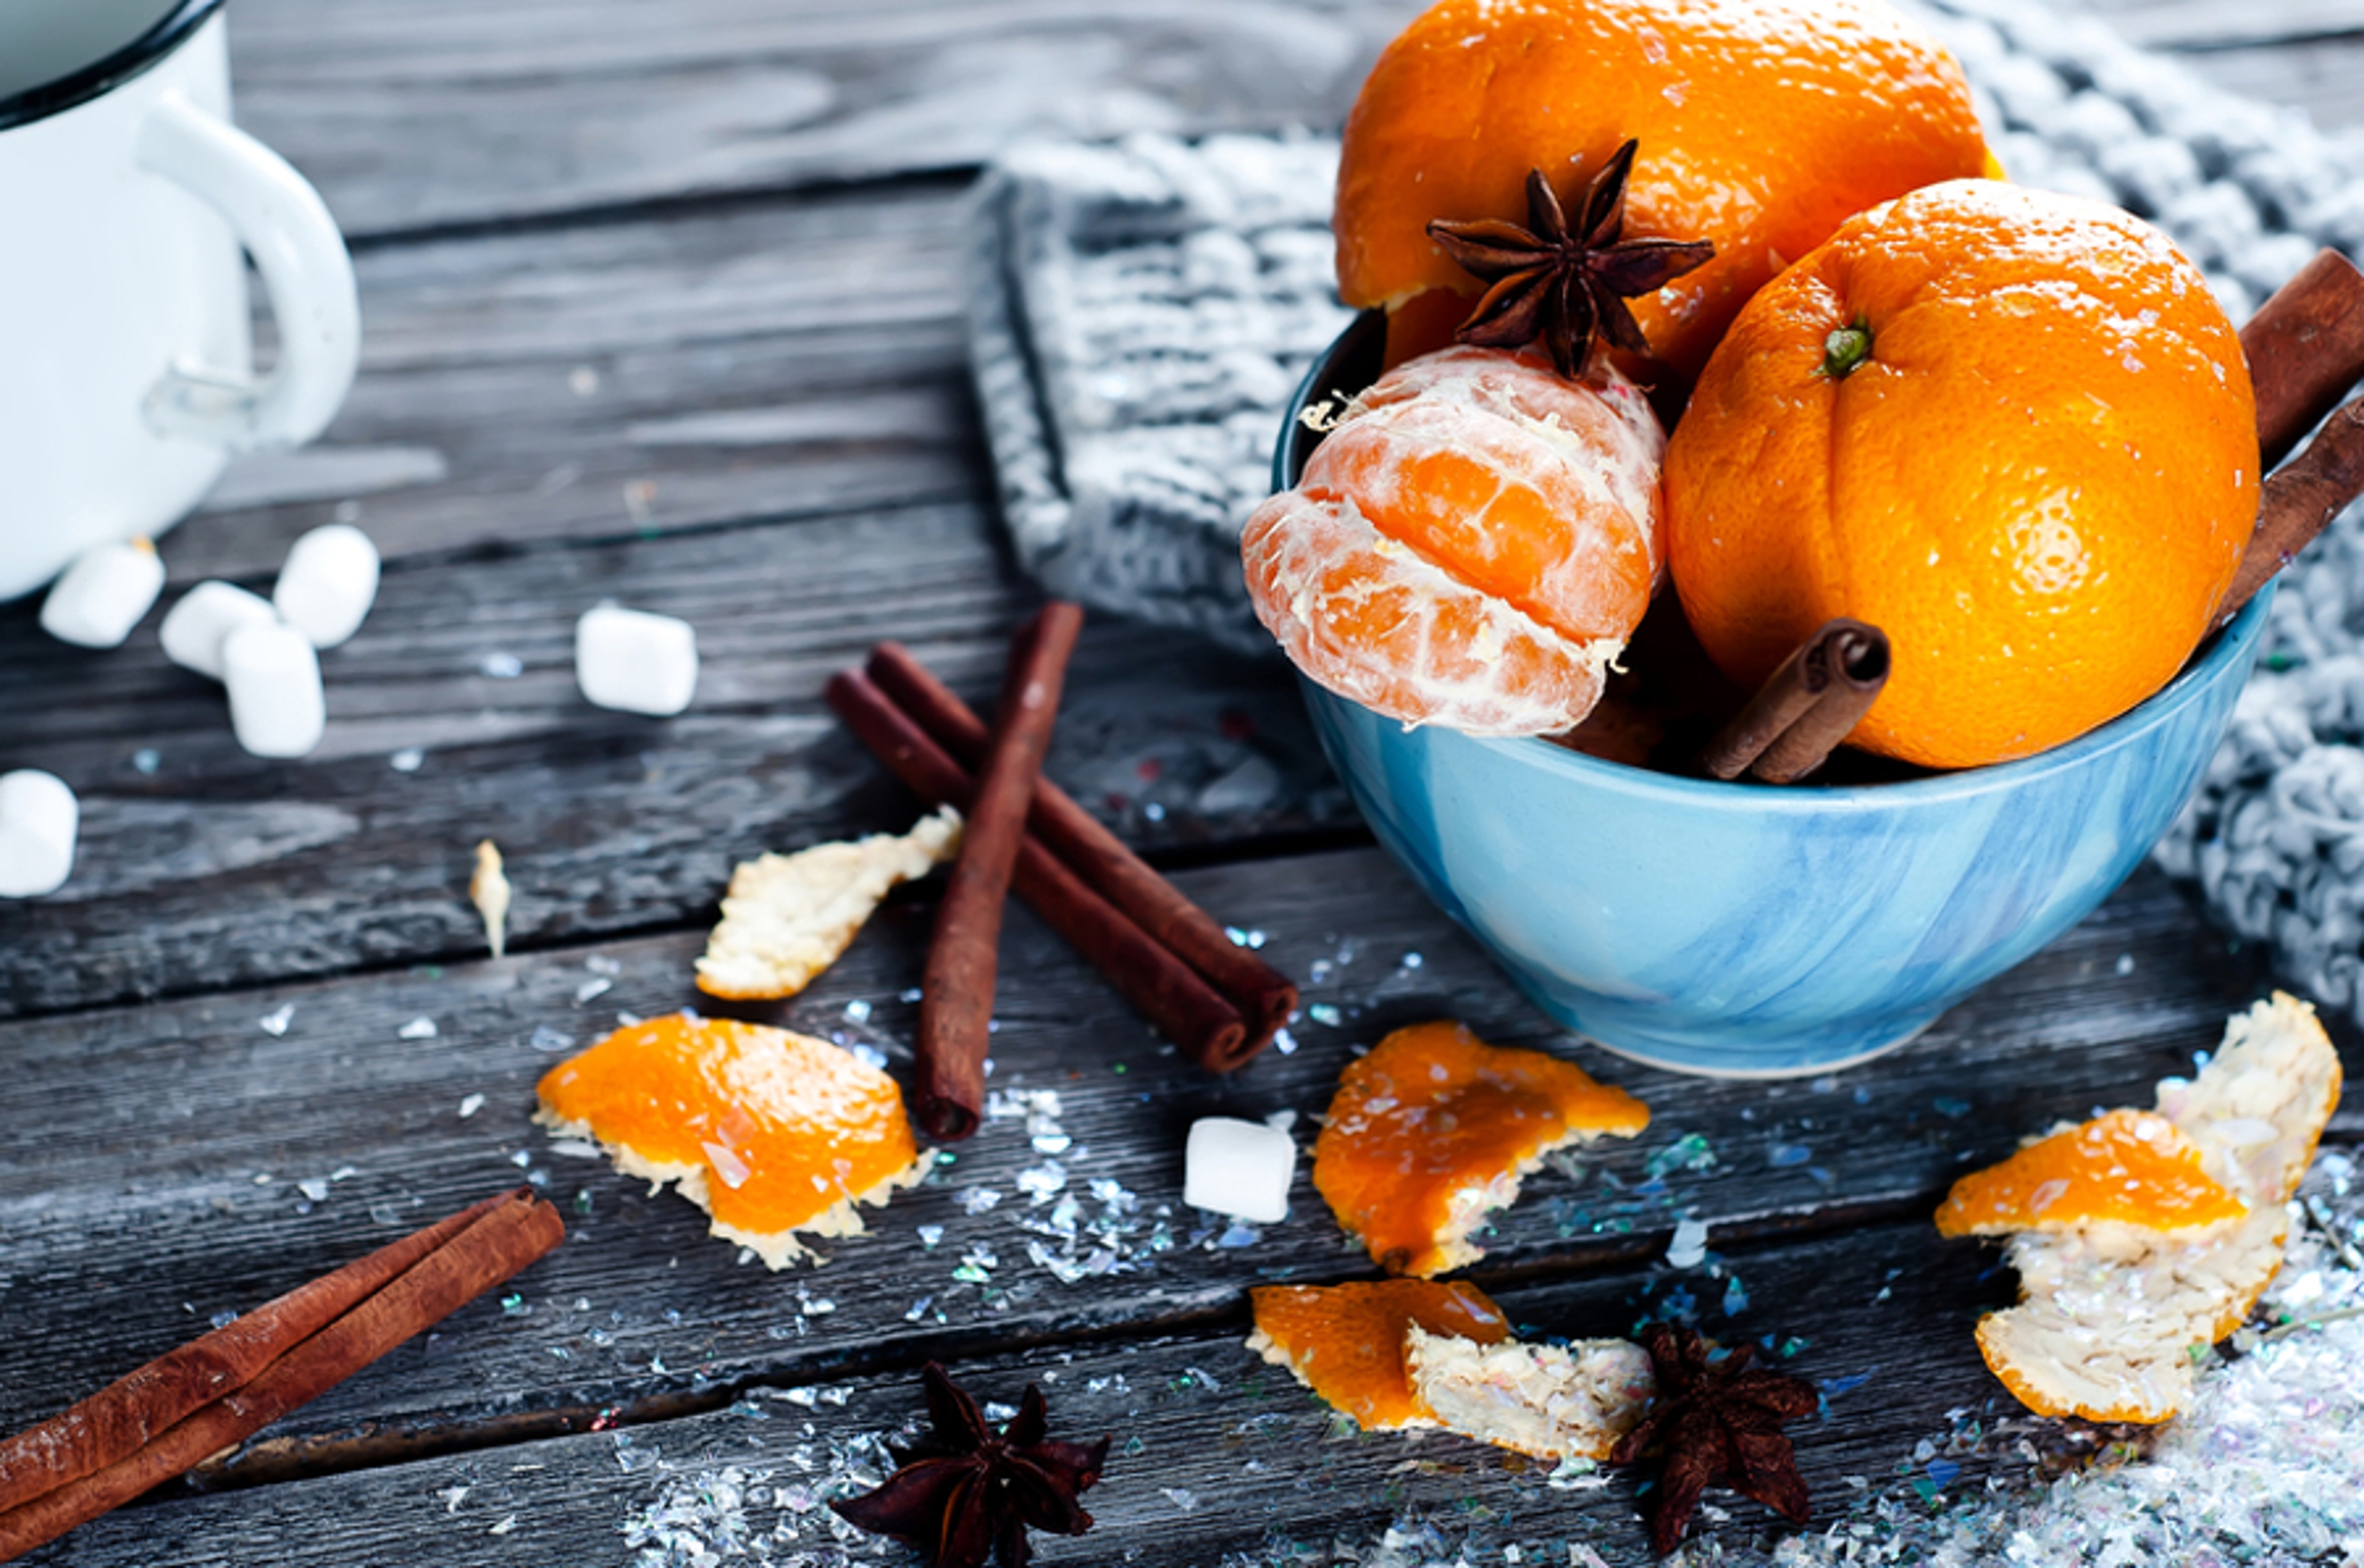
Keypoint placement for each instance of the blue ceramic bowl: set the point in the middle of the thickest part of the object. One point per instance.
(1745, 930)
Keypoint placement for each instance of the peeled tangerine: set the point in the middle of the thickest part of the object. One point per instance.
(1470, 545)
(1434, 1129)
(2137, 1244)
(772, 1133)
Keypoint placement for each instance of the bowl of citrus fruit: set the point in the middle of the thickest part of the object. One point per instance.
(1691, 332)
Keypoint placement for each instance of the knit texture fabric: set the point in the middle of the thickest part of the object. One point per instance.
(1139, 313)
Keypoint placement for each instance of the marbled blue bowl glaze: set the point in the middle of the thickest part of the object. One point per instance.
(1753, 931)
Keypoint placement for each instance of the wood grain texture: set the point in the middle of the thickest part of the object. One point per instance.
(661, 306)
(425, 113)
(187, 1199)
(777, 360)
(421, 113)
(1214, 1453)
(218, 869)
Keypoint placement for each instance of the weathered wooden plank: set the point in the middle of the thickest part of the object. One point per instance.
(202, 867)
(1214, 1454)
(427, 112)
(431, 112)
(174, 1141)
(2317, 75)
(781, 360)
(2205, 26)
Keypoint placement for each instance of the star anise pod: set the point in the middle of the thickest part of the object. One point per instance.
(965, 1492)
(1562, 284)
(1719, 1423)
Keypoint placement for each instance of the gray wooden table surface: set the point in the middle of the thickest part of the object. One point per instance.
(660, 306)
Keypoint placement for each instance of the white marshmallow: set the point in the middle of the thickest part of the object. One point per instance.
(103, 594)
(634, 661)
(195, 628)
(277, 706)
(39, 819)
(325, 589)
(1239, 1168)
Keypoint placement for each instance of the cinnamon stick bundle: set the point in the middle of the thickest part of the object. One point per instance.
(1169, 993)
(2299, 501)
(1805, 708)
(1264, 996)
(964, 959)
(218, 1391)
(2306, 349)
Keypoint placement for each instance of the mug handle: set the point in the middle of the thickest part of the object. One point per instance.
(285, 226)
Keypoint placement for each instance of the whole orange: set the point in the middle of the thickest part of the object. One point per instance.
(2011, 428)
(1764, 124)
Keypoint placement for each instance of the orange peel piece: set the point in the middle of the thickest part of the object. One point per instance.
(1347, 1341)
(1434, 1129)
(2126, 1168)
(2111, 1316)
(772, 1133)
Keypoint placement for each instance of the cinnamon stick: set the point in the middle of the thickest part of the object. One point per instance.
(1168, 992)
(2299, 499)
(118, 1419)
(964, 959)
(1806, 707)
(497, 1239)
(2306, 349)
(1263, 995)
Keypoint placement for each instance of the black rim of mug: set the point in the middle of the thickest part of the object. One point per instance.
(109, 72)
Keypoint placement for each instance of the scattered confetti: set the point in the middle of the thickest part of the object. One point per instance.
(421, 1028)
(407, 759)
(501, 666)
(274, 1022)
(471, 1106)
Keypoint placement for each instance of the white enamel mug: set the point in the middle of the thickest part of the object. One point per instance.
(126, 197)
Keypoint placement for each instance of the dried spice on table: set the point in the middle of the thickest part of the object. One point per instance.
(1716, 1421)
(967, 1492)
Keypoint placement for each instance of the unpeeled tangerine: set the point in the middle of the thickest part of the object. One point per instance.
(771, 1132)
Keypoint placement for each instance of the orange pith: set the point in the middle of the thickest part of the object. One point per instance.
(1346, 1340)
(1470, 545)
(784, 1126)
(2038, 480)
(1763, 124)
(2128, 1167)
(1434, 1111)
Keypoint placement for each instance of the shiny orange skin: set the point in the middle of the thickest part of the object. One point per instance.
(2124, 1168)
(809, 1124)
(1764, 124)
(2038, 483)
(1346, 1340)
(1470, 544)
(1432, 1110)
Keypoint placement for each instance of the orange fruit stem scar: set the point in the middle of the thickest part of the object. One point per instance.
(1434, 1128)
(771, 1132)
